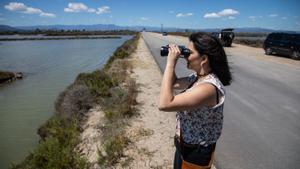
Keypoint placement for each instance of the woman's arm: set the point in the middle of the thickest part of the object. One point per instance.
(166, 90)
(201, 95)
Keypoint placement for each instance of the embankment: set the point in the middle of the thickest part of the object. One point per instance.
(113, 92)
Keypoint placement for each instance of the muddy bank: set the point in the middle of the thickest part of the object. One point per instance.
(6, 77)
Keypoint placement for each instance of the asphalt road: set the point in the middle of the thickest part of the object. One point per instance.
(261, 114)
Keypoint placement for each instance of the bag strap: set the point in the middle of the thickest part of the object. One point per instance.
(217, 92)
(190, 85)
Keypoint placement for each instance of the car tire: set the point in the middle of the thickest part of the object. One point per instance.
(268, 51)
(296, 55)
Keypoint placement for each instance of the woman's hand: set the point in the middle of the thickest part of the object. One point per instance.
(174, 53)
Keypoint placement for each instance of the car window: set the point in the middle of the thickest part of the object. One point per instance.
(277, 36)
(271, 36)
(286, 37)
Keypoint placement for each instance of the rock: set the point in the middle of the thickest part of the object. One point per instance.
(19, 75)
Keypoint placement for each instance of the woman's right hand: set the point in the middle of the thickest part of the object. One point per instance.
(174, 53)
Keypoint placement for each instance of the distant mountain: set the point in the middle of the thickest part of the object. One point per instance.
(5, 28)
(73, 27)
(134, 28)
(254, 30)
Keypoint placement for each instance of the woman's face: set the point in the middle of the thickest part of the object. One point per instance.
(194, 60)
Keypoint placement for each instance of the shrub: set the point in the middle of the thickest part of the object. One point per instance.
(74, 102)
(123, 51)
(112, 150)
(98, 82)
(57, 149)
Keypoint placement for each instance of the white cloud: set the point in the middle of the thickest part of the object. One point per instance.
(30, 10)
(284, 18)
(50, 15)
(80, 7)
(183, 15)
(223, 13)
(144, 19)
(253, 18)
(228, 12)
(211, 15)
(76, 7)
(15, 6)
(103, 9)
(231, 17)
(20, 7)
(171, 11)
(91, 10)
(273, 15)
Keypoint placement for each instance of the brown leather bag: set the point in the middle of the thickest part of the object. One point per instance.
(195, 156)
(187, 165)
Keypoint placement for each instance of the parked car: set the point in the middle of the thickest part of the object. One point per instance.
(226, 36)
(287, 44)
(164, 33)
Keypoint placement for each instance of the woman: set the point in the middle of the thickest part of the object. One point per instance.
(200, 106)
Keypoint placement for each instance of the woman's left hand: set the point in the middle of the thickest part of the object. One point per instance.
(174, 53)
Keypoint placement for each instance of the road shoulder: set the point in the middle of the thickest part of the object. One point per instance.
(151, 133)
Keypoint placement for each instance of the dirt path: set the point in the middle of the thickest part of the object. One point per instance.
(91, 137)
(152, 132)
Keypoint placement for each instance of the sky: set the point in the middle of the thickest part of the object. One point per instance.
(190, 14)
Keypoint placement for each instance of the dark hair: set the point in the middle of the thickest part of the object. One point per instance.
(207, 44)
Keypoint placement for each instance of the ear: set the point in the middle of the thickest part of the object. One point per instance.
(204, 60)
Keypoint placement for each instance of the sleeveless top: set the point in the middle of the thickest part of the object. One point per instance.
(202, 125)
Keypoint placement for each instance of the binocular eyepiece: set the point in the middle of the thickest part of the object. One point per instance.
(184, 52)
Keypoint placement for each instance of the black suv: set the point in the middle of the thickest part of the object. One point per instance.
(284, 44)
(226, 36)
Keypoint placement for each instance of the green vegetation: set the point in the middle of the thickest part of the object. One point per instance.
(124, 51)
(60, 134)
(119, 106)
(57, 150)
(113, 149)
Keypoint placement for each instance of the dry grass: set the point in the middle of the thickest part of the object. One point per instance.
(258, 43)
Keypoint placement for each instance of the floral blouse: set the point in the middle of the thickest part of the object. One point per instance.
(202, 125)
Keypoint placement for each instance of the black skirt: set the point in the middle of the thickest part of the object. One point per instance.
(195, 154)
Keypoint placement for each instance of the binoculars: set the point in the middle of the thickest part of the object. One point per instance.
(184, 52)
